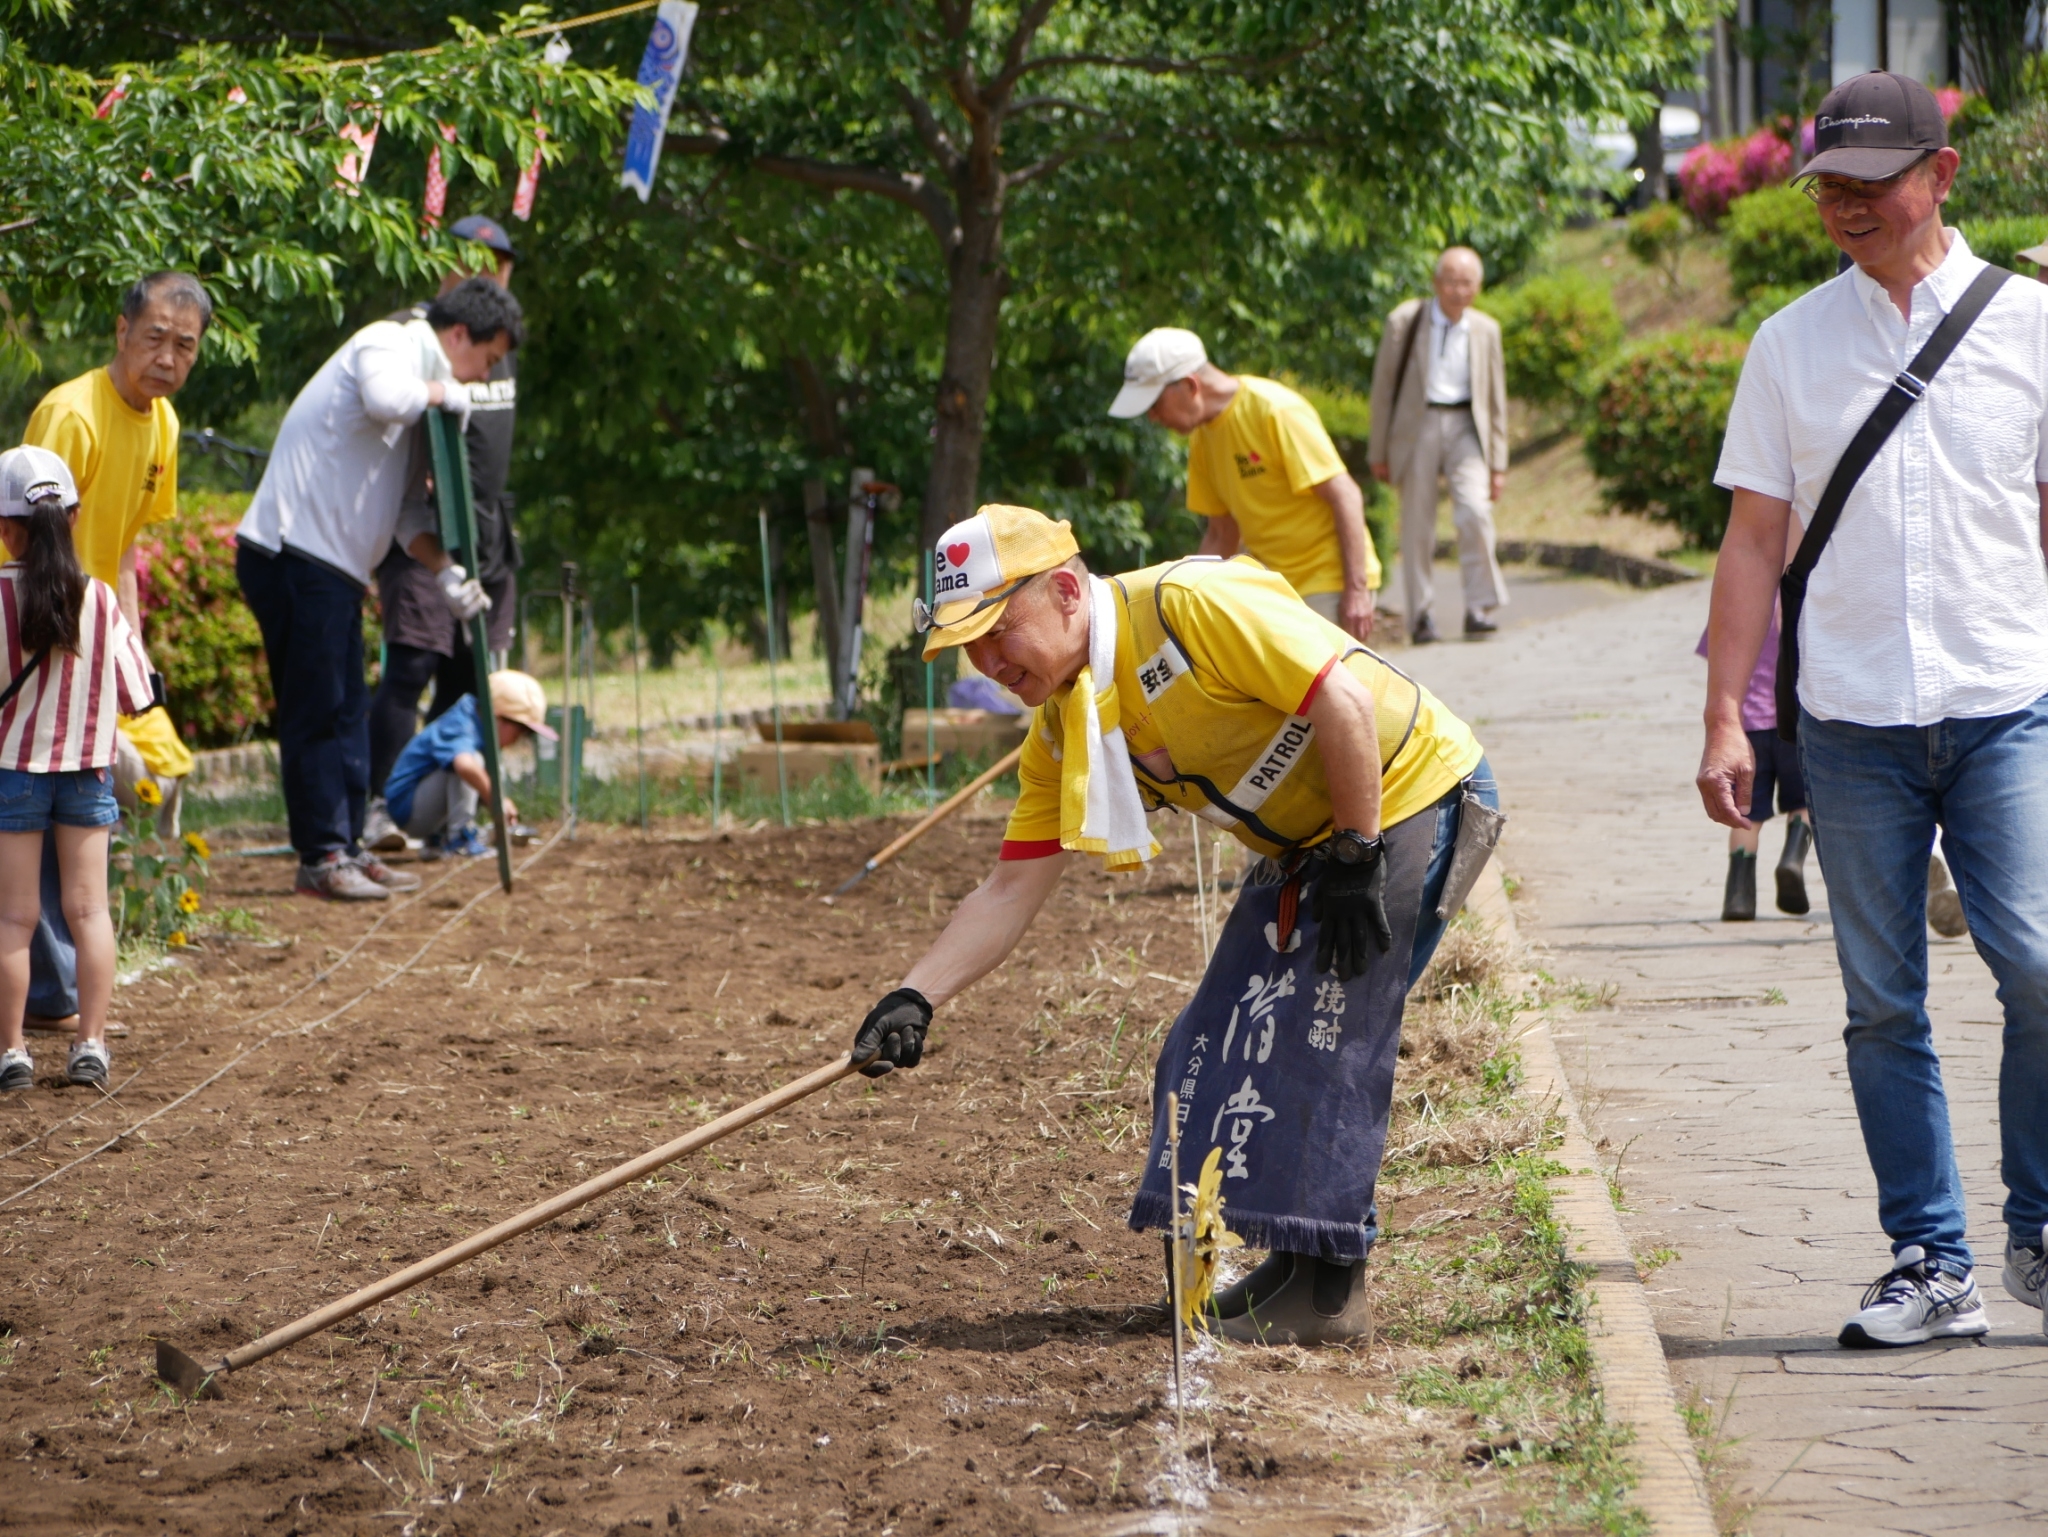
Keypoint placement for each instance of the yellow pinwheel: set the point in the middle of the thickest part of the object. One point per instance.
(1207, 1238)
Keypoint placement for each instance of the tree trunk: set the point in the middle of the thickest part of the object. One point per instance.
(974, 304)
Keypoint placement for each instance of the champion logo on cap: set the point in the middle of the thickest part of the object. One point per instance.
(1862, 121)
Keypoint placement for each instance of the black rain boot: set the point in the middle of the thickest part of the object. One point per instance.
(1322, 1302)
(1792, 867)
(1738, 903)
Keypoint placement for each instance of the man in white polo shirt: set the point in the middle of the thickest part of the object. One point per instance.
(1922, 667)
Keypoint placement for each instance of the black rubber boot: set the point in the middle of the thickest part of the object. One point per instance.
(1262, 1283)
(1792, 867)
(1738, 903)
(1321, 1302)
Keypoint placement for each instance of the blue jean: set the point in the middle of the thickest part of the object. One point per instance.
(312, 624)
(1878, 792)
(1429, 929)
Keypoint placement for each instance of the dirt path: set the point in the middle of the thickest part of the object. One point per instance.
(906, 1307)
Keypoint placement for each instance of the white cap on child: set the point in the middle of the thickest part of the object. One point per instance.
(29, 475)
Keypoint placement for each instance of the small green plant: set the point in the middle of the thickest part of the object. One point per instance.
(155, 892)
(1556, 330)
(1773, 238)
(1765, 303)
(1654, 426)
(1656, 238)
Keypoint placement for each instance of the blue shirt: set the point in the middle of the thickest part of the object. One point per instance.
(437, 747)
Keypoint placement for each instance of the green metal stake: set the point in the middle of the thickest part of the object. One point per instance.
(717, 726)
(774, 694)
(639, 742)
(931, 767)
(458, 537)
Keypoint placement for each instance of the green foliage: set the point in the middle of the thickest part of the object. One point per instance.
(156, 893)
(200, 633)
(1765, 303)
(1773, 238)
(1556, 329)
(1654, 426)
(1999, 241)
(2005, 167)
(1656, 238)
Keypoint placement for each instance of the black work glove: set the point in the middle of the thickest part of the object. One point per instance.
(1351, 903)
(893, 1033)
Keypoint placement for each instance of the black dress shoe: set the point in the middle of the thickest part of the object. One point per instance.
(1479, 624)
(1422, 632)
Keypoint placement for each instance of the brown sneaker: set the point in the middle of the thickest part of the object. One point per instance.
(335, 878)
(384, 875)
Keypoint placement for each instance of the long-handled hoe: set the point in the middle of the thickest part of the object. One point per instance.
(193, 1380)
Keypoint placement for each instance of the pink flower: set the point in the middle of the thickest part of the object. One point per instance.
(1710, 178)
(1950, 100)
(1766, 158)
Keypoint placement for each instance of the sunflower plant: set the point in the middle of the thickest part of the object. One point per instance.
(155, 891)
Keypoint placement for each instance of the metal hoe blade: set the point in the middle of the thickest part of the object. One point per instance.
(178, 1370)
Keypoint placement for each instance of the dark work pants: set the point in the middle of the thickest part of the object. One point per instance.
(52, 957)
(312, 624)
(395, 707)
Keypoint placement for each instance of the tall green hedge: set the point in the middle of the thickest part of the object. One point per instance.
(1999, 241)
(1654, 425)
(1773, 239)
(1556, 330)
(200, 633)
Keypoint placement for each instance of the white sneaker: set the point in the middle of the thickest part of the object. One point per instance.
(88, 1065)
(381, 835)
(1914, 1302)
(2026, 1273)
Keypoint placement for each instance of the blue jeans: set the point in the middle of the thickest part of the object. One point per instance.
(1429, 929)
(312, 623)
(1878, 793)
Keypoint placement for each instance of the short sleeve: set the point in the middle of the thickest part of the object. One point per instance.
(68, 435)
(1203, 498)
(1756, 452)
(1034, 828)
(163, 502)
(1304, 445)
(1248, 630)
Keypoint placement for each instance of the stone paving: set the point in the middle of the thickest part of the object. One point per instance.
(1710, 1068)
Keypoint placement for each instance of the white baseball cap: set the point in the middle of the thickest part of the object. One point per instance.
(29, 475)
(1161, 357)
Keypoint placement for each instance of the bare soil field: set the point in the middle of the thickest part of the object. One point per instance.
(908, 1306)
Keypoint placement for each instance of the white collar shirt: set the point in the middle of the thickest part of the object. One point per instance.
(1930, 601)
(1450, 358)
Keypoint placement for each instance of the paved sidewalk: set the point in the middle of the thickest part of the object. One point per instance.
(1715, 1077)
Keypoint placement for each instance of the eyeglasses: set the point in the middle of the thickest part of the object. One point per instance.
(1826, 191)
(924, 617)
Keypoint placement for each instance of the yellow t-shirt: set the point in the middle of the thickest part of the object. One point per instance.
(125, 462)
(1246, 638)
(1257, 463)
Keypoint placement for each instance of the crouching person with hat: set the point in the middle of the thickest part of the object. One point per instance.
(1208, 686)
(435, 785)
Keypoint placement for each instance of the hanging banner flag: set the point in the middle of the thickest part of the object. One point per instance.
(661, 71)
(529, 179)
(436, 202)
(355, 165)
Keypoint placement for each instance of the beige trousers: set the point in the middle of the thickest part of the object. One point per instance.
(1448, 446)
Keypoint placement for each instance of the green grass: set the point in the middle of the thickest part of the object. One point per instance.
(263, 806)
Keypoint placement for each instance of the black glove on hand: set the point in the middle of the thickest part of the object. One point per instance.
(893, 1033)
(1350, 903)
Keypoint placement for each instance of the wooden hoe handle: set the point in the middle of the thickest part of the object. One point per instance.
(938, 814)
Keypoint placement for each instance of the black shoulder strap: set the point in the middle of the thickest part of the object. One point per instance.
(7, 694)
(1907, 388)
(1407, 352)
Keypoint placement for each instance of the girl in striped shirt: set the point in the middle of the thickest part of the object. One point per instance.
(69, 663)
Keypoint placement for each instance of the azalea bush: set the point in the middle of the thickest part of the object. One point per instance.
(1714, 175)
(1654, 427)
(155, 892)
(201, 635)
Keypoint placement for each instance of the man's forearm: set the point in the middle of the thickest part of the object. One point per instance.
(1347, 512)
(1219, 537)
(985, 927)
(129, 594)
(1347, 735)
(426, 549)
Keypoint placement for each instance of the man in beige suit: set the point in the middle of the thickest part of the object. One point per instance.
(1440, 408)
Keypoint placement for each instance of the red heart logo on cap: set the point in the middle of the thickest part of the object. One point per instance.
(956, 554)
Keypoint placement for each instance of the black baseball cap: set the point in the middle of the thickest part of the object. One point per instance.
(488, 232)
(1875, 126)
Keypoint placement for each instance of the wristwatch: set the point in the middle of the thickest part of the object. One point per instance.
(1349, 846)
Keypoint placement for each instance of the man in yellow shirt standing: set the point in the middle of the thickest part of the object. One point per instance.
(1262, 470)
(1207, 686)
(117, 431)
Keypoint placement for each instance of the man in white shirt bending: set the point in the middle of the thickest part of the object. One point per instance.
(1440, 409)
(320, 522)
(1923, 669)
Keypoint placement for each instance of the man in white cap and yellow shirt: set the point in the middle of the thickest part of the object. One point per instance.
(1262, 470)
(1208, 686)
